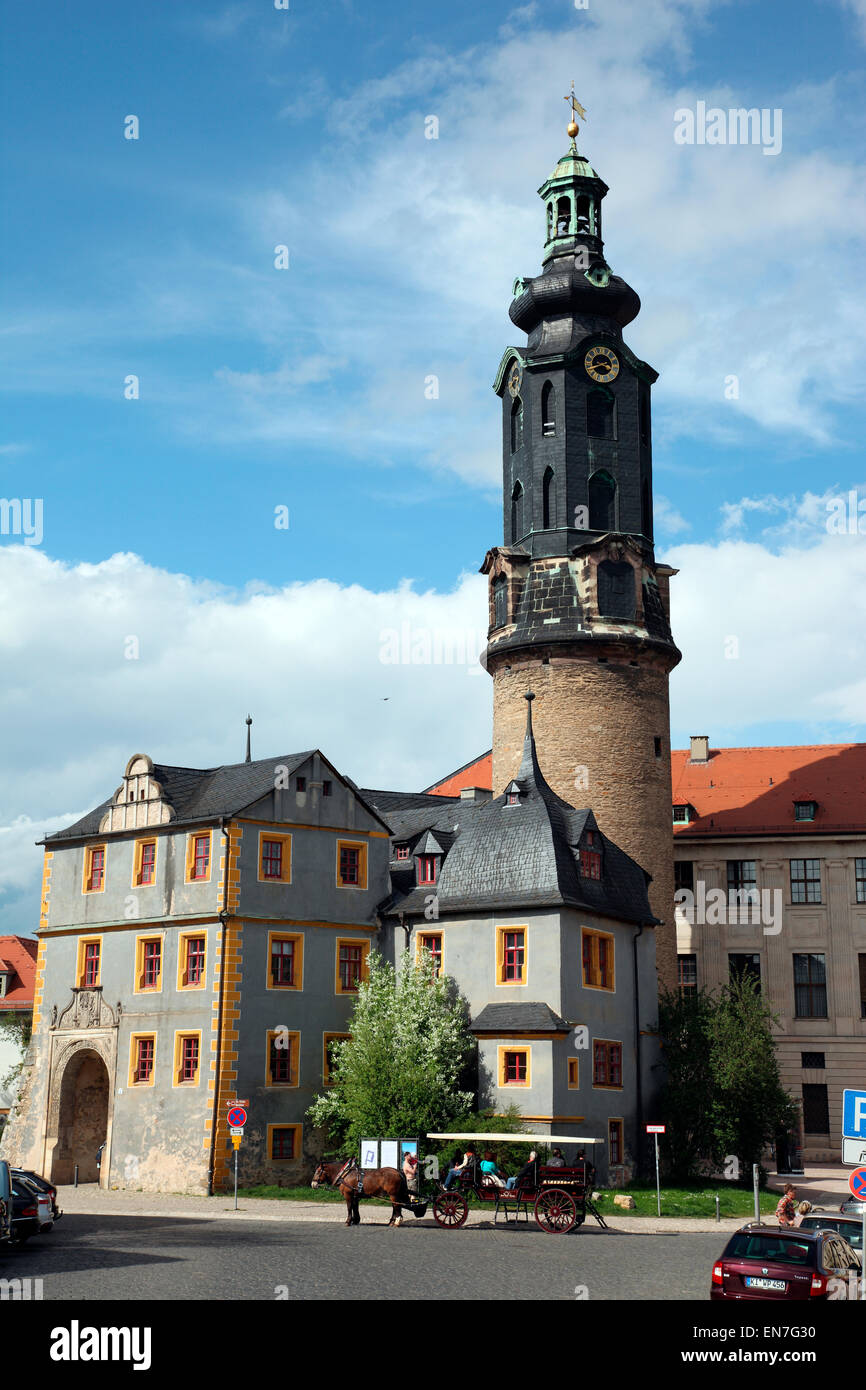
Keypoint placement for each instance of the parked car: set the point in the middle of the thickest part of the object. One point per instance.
(778, 1262)
(25, 1212)
(5, 1203)
(853, 1206)
(42, 1185)
(847, 1226)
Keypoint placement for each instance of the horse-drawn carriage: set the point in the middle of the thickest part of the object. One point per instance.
(559, 1197)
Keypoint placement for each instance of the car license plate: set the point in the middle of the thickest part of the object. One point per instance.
(753, 1283)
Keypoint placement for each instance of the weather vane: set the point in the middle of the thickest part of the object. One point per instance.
(576, 110)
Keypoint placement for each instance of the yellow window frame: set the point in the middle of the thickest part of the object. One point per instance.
(326, 1066)
(594, 981)
(297, 1143)
(140, 942)
(502, 1050)
(294, 1051)
(501, 933)
(421, 940)
(361, 845)
(178, 1058)
(89, 851)
(136, 866)
(285, 861)
(365, 957)
(573, 1073)
(83, 942)
(298, 939)
(183, 962)
(190, 855)
(134, 1040)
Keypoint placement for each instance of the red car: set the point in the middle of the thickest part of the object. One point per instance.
(785, 1262)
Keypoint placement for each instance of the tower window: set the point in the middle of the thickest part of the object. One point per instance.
(549, 221)
(548, 499)
(548, 410)
(644, 421)
(583, 215)
(500, 601)
(517, 513)
(516, 424)
(563, 217)
(602, 502)
(616, 594)
(657, 746)
(600, 422)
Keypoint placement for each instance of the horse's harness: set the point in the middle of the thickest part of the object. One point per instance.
(350, 1166)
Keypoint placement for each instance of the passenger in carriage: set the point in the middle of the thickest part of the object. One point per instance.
(490, 1174)
(556, 1160)
(527, 1171)
(454, 1172)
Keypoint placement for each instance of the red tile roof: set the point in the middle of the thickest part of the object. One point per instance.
(747, 790)
(18, 954)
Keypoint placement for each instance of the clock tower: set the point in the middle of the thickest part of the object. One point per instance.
(579, 608)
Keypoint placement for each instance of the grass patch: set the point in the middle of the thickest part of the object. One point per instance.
(326, 1195)
(693, 1199)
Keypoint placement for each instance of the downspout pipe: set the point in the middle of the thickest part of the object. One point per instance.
(223, 916)
(639, 1135)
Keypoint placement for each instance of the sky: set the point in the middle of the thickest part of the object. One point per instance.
(248, 498)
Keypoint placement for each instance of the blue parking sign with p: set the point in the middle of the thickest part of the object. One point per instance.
(854, 1114)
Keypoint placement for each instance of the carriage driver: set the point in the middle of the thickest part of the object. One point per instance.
(458, 1168)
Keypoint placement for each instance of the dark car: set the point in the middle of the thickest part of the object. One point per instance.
(42, 1185)
(779, 1262)
(847, 1226)
(25, 1212)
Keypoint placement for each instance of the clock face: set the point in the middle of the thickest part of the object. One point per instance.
(514, 380)
(602, 363)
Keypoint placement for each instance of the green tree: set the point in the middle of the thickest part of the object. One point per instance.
(17, 1028)
(723, 1095)
(401, 1070)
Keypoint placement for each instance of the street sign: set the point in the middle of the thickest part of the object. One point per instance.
(854, 1114)
(230, 1103)
(236, 1129)
(237, 1117)
(655, 1129)
(236, 1141)
(857, 1183)
(854, 1152)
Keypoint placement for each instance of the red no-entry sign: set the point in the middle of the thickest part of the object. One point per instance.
(857, 1183)
(237, 1117)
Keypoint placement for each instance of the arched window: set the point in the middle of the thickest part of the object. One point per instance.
(600, 421)
(500, 601)
(644, 421)
(517, 513)
(548, 410)
(616, 591)
(548, 499)
(563, 217)
(602, 502)
(646, 511)
(549, 221)
(516, 424)
(583, 216)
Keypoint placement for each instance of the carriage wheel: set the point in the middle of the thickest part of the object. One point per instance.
(450, 1209)
(555, 1211)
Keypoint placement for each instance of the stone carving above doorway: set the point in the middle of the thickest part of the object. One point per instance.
(86, 1009)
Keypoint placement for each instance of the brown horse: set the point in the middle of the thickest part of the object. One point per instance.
(378, 1182)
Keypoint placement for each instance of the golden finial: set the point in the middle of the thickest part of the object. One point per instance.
(576, 109)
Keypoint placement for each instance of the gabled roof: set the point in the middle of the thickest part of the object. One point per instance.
(478, 773)
(741, 791)
(18, 956)
(205, 794)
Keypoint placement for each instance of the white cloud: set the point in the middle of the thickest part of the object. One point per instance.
(306, 662)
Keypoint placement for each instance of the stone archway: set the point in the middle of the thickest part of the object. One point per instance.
(82, 1116)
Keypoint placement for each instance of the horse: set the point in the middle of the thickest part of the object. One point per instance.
(378, 1182)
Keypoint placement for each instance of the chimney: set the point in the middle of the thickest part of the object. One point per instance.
(700, 752)
(475, 794)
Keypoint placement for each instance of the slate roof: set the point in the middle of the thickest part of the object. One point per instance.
(205, 794)
(18, 956)
(515, 856)
(519, 1018)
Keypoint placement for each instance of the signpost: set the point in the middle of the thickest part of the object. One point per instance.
(237, 1118)
(853, 1126)
(857, 1184)
(655, 1131)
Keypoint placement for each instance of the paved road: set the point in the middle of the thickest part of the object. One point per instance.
(137, 1257)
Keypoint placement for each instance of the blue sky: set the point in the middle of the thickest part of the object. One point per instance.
(304, 387)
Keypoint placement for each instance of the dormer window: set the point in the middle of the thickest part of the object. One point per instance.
(681, 812)
(427, 868)
(401, 851)
(512, 794)
(805, 810)
(590, 856)
(4, 982)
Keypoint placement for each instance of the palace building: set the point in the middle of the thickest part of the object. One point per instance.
(204, 931)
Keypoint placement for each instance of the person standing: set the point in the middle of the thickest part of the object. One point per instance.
(786, 1205)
